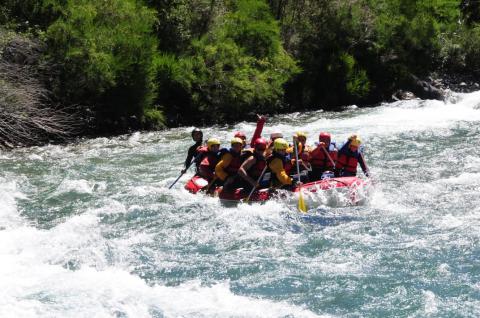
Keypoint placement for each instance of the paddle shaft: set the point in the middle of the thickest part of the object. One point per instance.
(328, 156)
(296, 158)
(255, 187)
(301, 202)
(182, 173)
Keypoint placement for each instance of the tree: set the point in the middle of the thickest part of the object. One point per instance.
(105, 52)
(237, 67)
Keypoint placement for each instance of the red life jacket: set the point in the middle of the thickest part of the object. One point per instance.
(348, 163)
(256, 170)
(208, 163)
(235, 164)
(202, 151)
(319, 160)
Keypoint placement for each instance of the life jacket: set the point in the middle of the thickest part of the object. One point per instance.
(210, 160)
(319, 160)
(256, 170)
(348, 161)
(237, 160)
(202, 152)
(290, 166)
(286, 162)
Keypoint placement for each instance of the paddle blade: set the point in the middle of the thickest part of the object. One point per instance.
(301, 203)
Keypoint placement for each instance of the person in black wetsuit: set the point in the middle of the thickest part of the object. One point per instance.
(197, 136)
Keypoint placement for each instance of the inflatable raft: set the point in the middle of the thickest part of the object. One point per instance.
(197, 183)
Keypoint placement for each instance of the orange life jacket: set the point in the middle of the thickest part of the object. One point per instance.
(319, 160)
(347, 162)
(235, 164)
(201, 153)
(208, 163)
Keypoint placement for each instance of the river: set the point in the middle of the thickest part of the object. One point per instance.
(91, 230)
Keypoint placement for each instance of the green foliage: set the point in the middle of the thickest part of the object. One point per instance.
(106, 52)
(407, 34)
(238, 67)
(357, 82)
(461, 52)
(26, 15)
(330, 47)
(252, 27)
(204, 61)
(471, 45)
(360, 51)
(181, 21)
(153, 118)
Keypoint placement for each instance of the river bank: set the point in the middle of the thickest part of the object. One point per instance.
(88, 125)
(69, 69)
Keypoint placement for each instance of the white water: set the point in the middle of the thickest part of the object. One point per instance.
(90, 230)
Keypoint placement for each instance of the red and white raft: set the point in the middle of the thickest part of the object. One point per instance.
(197, 183)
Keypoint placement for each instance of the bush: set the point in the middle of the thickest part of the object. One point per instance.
(225, 74)
(461, 51)
(105, 51)
(153, 118)
(26, 114)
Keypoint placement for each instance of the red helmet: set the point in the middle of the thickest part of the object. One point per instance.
(324, 137)
(240, 134)
(260, 143)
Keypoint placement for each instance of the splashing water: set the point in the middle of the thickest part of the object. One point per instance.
(90, 229)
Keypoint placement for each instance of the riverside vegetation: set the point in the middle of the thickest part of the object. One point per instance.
(80, 67)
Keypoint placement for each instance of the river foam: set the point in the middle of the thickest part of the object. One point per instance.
(91, 229)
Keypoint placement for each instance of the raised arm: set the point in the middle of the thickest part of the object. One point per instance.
(258, 130)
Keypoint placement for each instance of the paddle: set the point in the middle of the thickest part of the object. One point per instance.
(181, 174)
(328, 156)
(301, 202)
(254, 188)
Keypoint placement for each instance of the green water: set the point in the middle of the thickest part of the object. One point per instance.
(91, 229)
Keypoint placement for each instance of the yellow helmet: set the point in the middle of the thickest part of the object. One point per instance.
(280, 144)
(301, 134)
(356, 142)
(212, 142)
(236, 140)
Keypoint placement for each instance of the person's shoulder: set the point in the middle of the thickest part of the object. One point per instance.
(194, 147)
(247, 153)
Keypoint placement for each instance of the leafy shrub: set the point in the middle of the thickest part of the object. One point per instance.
(153, 118)
(225, 73)
(105, 50)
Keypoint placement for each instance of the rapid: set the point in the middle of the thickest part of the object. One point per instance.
(92, 230)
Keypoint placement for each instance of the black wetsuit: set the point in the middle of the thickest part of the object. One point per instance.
(192, 153)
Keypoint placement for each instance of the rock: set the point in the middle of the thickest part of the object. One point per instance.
(423, 90)
(403, 95)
